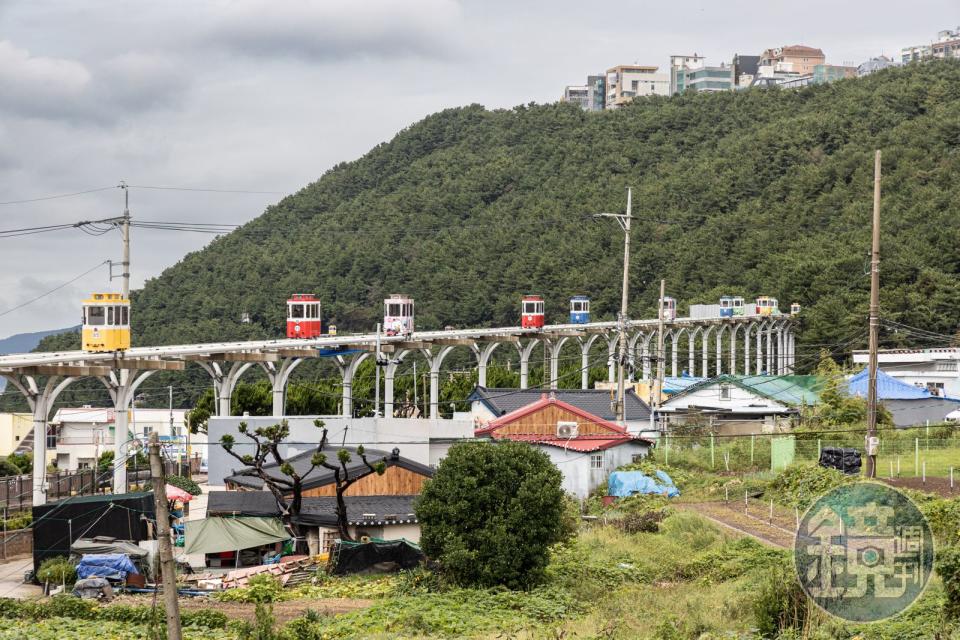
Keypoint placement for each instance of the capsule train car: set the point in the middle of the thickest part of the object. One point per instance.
(767, 306)
(303, 316)
(731, 306)
(531, 312)
(795, 309)
(669, 308)
(579, 310)
(106, 323)
(398, 315)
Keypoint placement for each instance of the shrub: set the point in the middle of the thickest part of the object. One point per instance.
(8, 468)
(58, 570)
(640, 522)
(23, 461)
(948, 566)
(943, 516)
(779, 603)
(491, 513)
(260, 588)
(800, 485)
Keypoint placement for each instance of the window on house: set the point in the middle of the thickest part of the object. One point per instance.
(596, 461)
(724, 392)
(936, 388)
(637, 457)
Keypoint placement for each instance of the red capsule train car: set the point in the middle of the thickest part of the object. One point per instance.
(531, 309)
(303, 316)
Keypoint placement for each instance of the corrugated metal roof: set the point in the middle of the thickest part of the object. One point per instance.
(594, 401)
(888, 387)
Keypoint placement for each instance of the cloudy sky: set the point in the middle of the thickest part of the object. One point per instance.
(266, 95)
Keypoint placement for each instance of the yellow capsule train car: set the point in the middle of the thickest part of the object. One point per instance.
(106, 323)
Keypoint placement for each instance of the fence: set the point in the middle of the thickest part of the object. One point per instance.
(904, 453)
(16, 492)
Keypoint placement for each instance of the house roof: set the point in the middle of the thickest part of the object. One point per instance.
(788, 390)
(888, 387)
(615, 435)
(320, 476)
(596, 402)
(316, 511)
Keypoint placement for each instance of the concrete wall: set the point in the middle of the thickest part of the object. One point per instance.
(909, 413)
(423, 441)
(16, 543)
(579, 479)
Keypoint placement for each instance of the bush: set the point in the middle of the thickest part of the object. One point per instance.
(58, 570)
(943, 516)
(7, 468)
(800, 485)
(948, 566)
(640, 522)
(23, 461)
(491, 513)
(779, 603)
(260, 588)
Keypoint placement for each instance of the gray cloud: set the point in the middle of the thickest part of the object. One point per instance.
(336, 30)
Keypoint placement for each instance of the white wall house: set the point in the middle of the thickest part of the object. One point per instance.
(584, 471)
(84, 433)
(936, 370)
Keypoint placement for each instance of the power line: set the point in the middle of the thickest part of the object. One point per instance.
(58, 196)
(203, 189)
(55, 289)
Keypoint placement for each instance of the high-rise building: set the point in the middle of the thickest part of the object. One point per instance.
(590, 96)
(797, 58)
(947, 45)
(627, 81)
(691, 73)
(679, 65)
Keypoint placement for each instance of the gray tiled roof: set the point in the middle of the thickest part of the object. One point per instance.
(317, 511)
(594, 401)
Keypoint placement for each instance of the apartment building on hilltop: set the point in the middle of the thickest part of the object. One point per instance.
(799, 59)
(947, 45)
(625, 82)
(590, 96)
(691, 73)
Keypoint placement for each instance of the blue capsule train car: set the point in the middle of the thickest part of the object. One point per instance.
(579, 310)
(726, 307)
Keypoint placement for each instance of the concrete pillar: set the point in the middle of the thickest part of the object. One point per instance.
(792, 360)
(645, 357)
(719, 333)
(747, 329)
(279, 377)
(483, 359)
(733, 349)
(389, 375)
(122, 384)
(759, 328)
(585, 346)
(705, 340)
(770, 364)
(612, 358)
(555, 348)
(435, 363)
(348, 370)
(674, 351)
(692, 351)
(525, 361)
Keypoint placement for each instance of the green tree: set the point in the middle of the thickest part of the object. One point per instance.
(491, 513)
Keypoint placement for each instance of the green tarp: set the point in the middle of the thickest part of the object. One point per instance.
(215, 535)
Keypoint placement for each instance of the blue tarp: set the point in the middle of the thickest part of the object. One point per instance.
(105, 565)
(627, 483)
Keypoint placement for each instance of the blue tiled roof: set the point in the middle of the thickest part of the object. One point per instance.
(888, 387)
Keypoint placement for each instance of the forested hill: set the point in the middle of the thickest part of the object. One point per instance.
(755, 192)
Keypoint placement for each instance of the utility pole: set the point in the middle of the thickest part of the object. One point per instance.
(661, 361)
(167, 566)
(376, 364)
(623, 219)
(125, 233)
(874, 324)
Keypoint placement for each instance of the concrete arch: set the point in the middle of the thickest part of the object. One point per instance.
(585, 347)
(675, 336)
(704, 342)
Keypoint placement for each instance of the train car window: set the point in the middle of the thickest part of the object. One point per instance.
(393, 309)
(528, 307)
(125, 315)
(586, 305)
(95, 316)
(296, 311)
(110, 315)
(539, 307)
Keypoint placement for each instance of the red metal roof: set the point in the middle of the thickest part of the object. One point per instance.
(617, 434)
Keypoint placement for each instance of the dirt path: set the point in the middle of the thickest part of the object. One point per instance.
(731, 515)
(939, 486)
(284, 611)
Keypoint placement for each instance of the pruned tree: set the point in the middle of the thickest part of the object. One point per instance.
(287, 485)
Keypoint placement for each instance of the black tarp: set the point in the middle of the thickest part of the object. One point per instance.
(846, 460)
(375, 557)
(57, 524)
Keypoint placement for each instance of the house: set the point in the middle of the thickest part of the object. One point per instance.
(937, 370)
(909, 404)
(81, 435)
(585, 447)
(741, 404)
(423, 441)
(15, 428)
(489, 404)
(379, 506)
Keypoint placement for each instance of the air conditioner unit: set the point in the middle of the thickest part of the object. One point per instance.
(566, 429)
